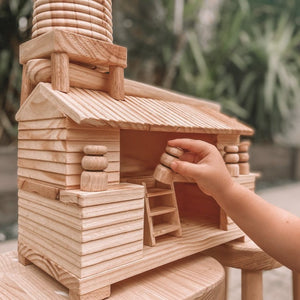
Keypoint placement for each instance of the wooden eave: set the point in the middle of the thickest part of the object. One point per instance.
(96, 108)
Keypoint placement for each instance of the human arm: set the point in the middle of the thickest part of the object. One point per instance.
(275, 230)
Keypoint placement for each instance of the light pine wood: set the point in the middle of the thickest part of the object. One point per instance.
(244, 168)
(43, 190)
(191, 278)
(244, 157)
(94, 163)
(100, 4)
(27, 85)
(243, 254)
(102, 293)
(116, 82)
(233, 169)
(95, 149)
(78, 47)
(89, 10)
(93, 181)
(231, 149)
(252, 288)
(99, 18)
(199, 277)
(296, 286)
(161, 213)
(244, 146)
(135, 114)
(60, 72)
(231, 157)
(79, 31)
(159, 255)
(83, 77)
(163, 174)
(72, 23)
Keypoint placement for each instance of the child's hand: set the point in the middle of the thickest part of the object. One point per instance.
(202, 162)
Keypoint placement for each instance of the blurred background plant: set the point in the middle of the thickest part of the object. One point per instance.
(243, 54)
(15, 25)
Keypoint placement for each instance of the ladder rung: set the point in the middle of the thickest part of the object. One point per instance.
(161, 210)
(164, 228)
(154, 192)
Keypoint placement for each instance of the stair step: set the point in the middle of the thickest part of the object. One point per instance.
(161, 210)
(154, 192)
(164, 228)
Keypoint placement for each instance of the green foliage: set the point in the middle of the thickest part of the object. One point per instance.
(14, 25)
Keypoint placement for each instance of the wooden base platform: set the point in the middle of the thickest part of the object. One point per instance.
(196, 237)
(198, 276)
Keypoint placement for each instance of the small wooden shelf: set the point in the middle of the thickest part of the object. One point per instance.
(161, 210)
(164, 228)
(155, 192)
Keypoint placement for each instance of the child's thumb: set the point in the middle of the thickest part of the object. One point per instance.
(186, 168)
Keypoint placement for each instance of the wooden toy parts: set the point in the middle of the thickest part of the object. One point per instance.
(163, 172)
(244, 157)
(89, 143)
(94, 178)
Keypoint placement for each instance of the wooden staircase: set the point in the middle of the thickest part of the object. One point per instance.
(161, 210)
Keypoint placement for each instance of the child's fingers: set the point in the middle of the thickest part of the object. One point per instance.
(188, 156)
(196, 146)
(186, 168)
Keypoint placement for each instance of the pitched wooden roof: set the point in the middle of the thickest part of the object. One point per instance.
(89, 107)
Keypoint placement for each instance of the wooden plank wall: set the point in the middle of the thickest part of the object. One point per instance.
(50, 151)
(84, 240)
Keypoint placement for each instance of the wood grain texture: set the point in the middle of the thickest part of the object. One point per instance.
(60, 78)
(27, 85)
(93, 181)
(244, 255)
(83, 77)
(163, 174)
(198, 277)
(116, 82)
(252, 285)
(94, 16)
(73, 23)
(96, 108)
(78, 47)
(43, 190)
(190, 243)
(94, 163)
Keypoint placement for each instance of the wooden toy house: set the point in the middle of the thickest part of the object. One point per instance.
(90, 238)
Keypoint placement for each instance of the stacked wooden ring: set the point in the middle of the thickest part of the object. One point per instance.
(163, 172)
(231, 158)
(244, 158)
(92, 18)
(94, 178)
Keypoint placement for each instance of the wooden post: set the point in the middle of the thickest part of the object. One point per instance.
(116, 82)
(231, 158)
(296, 286)
(252, 288)
(244, 158)
(60, 72)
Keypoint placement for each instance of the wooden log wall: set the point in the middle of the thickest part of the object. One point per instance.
(51, 151)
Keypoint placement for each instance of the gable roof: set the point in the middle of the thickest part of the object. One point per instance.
(89, 107)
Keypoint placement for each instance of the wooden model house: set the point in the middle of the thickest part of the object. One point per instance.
(90, 211)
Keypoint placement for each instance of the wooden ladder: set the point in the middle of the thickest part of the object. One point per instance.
(161, 212)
